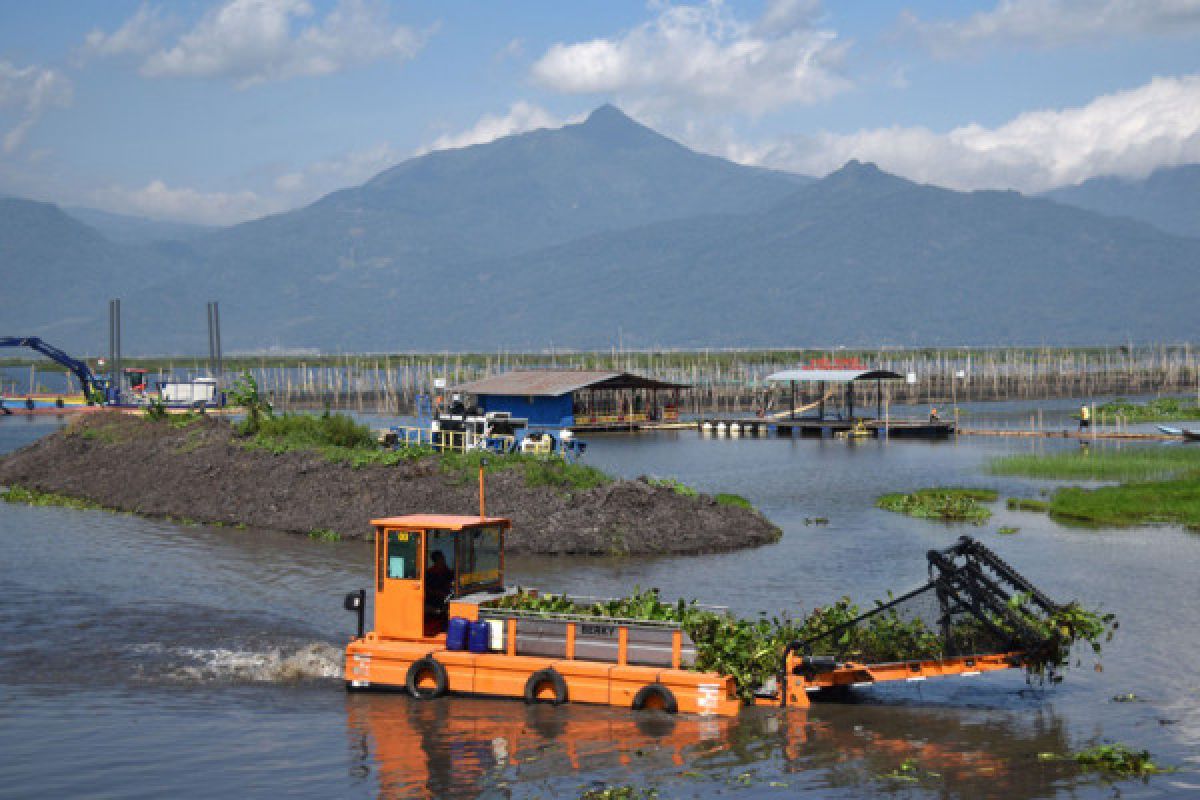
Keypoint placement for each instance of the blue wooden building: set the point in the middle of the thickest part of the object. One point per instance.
(577, 399)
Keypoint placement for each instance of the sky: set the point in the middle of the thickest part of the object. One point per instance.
(218, 111)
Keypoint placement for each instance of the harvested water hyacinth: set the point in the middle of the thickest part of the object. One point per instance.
(751, 651)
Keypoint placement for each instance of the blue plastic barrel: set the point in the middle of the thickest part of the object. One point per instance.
(477, 637)
(456, 633)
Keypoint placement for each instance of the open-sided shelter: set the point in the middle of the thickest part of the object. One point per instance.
(843, 375)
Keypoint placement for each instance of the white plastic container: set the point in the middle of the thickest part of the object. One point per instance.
(495, 635)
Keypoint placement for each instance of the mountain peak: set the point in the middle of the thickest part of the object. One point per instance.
(614, 126)
(860, 176)
(608, 113)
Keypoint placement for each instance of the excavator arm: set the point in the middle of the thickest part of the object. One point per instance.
(80, 369)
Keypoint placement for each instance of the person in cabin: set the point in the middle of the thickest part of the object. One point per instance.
(439, 579)
(1085, 417)
(933, 415)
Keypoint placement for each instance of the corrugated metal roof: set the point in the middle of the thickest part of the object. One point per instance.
(557, 382)
(452, 522)
(833, 375)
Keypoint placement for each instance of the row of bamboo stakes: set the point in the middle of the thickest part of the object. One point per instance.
(719, 381)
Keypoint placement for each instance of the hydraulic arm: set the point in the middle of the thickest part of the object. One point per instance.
(82, 372)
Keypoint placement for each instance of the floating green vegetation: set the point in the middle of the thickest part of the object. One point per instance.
(751, 651)
(1164, 502)
(948, 504)
(909, 771)
(1162, 409)
(619, 793)
(1162, 485)
(735, 500)
(673, 485)
(1117, 759)
(1149, 463)
(1007, 530)
(1027, 504)
(32, 497)
(325, 535)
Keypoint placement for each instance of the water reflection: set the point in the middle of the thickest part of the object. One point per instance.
(462, 747)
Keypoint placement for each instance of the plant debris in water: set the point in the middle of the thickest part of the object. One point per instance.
(951, 505)
(909, 771)
(751, 651)
(619, 793)
(1117, 759)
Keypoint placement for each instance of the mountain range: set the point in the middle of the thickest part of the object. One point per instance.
(606, 230)
(1168, 199)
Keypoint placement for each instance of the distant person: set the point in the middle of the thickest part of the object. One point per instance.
(933, 415)
(439, 579)
(1085, 417)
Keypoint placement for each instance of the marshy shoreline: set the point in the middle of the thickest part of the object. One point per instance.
(202, 471)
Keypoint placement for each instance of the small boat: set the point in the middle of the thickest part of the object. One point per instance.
(1169, 431)
(859, 431)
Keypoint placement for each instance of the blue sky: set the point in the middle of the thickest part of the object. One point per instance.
(217, 111)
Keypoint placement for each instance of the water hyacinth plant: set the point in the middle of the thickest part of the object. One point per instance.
(751, 651)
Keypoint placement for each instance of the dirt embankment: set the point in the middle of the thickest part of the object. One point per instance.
(204, 473)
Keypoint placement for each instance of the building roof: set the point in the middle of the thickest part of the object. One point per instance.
(557, 382)
(448, 522)
(834, 375)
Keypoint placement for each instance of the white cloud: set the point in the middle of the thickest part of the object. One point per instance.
(1052, 23)
(1129, 133)
(704, 56)
(254, 41)
(521, 117)
(160, 201)
(26, 93)
(139, 35)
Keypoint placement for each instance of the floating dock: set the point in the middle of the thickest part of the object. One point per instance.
(812, 428)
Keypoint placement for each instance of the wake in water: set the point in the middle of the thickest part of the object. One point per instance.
(86, 642)
(311, 662)
(287, 664)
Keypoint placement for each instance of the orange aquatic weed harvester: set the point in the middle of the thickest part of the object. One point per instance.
(439, 629)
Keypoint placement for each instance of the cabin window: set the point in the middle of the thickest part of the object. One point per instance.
(480, 557)
(403, 555)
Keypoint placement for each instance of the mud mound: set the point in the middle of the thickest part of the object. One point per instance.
(202, 472)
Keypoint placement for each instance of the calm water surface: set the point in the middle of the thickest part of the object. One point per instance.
(142, 659)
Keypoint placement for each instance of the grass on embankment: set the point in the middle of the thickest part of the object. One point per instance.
(948, 504)
(339, 438)
(1161, 485)
(1162, 409)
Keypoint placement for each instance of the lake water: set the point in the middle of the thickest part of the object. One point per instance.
(141, 658)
